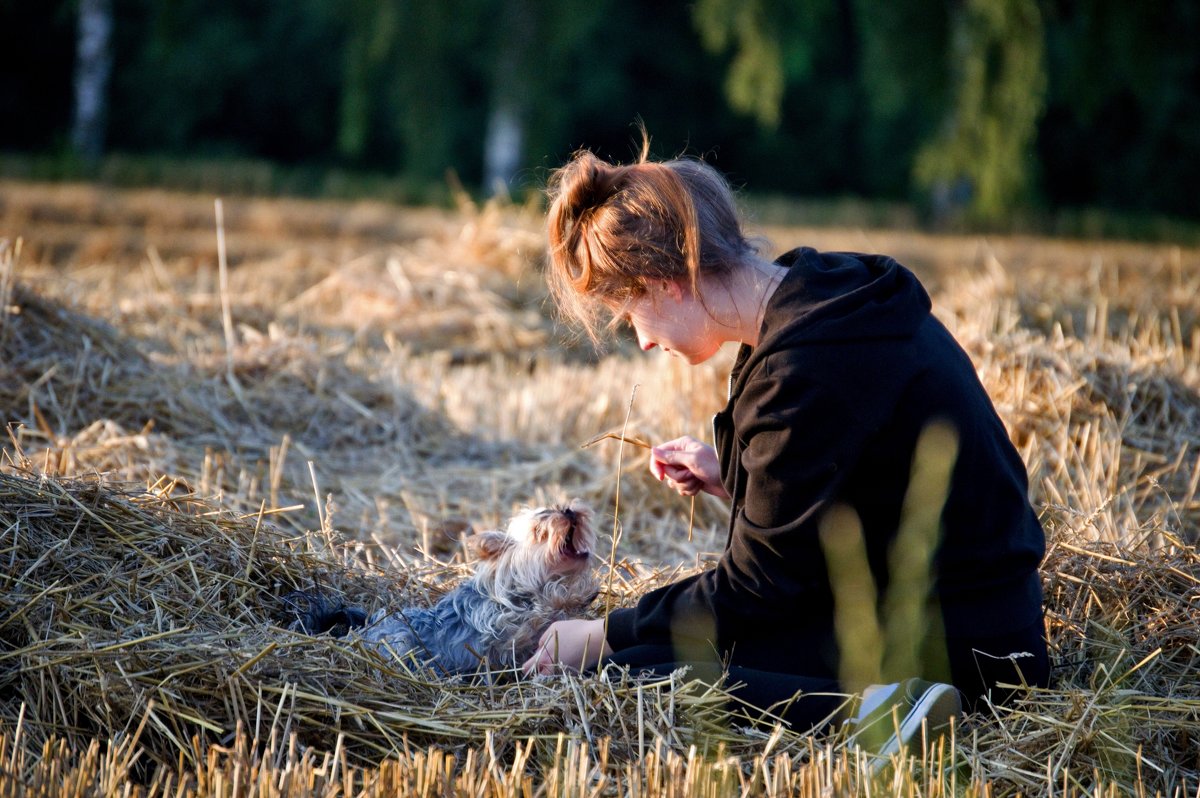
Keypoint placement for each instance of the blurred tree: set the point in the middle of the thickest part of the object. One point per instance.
(821, 146)
(820, 97)
(510, 94)
(93, 63)
(1122, 128)
(230, 77)
(904, 79)
(36, 74)
(431, 93)
(533, 83)
(772, 42)
(636, 60)
(982, 157)
(370, 29)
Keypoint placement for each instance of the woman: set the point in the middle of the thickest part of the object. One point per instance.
(840, 368)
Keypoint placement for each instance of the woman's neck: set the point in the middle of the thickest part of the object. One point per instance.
(743, 302)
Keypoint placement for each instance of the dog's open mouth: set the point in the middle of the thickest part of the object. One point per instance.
(574, 545)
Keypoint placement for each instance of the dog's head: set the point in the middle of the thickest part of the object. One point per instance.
(540, 543)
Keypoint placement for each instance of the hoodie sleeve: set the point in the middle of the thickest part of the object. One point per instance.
(797, 435)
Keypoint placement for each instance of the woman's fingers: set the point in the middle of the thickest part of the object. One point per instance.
(688, 466)
(688, 486)
(575, 643)
(675, 457)
(672, 464)
(659, 469)
(676, 476)
(542, 660)
(678, 473)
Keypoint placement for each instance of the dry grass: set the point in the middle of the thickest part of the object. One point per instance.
(393, 376)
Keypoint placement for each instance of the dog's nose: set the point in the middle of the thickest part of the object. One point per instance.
(570, 514)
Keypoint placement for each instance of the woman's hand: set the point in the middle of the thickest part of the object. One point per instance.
(576, 643)
(688, 467)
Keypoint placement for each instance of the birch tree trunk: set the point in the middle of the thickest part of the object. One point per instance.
(92, 68)
(504, 139)
(503, 145)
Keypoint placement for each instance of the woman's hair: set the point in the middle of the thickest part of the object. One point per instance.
(613, 230)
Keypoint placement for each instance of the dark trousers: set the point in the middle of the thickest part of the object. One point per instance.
(980, 665)
(813, 702)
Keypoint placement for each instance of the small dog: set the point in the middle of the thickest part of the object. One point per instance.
(536, 572)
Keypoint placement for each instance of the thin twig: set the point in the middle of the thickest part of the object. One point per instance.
(691, 516)
(617, 437)
(223, 270)
(227, 311)
(616, 534)
(638, 442)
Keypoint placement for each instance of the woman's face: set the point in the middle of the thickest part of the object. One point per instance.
(670, 317)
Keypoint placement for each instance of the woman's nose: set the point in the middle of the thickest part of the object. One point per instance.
(645, 343)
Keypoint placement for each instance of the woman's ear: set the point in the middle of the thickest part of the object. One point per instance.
(675, 289)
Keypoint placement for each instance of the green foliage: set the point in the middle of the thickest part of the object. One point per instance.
(224, 77)
(999, 84)
(371, 27)
(905, 84)
(771, 40)
(531, 63)
(756, 81)
(901, 40)
(1123, 117)
(993, 109)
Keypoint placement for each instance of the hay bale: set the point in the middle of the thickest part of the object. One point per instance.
(63, 369)
(124, 609)
(1124, 701)
(69, 369)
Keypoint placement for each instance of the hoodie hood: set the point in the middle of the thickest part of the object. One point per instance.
(842, 296)
(835, 297)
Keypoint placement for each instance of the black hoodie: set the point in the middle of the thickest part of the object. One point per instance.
(827, 409)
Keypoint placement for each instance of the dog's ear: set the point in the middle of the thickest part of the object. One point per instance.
(490, 544)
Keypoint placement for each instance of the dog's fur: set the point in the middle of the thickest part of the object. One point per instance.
(536, 572)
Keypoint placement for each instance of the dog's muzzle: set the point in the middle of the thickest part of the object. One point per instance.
(569, 547)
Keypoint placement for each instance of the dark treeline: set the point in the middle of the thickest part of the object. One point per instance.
(985, 107)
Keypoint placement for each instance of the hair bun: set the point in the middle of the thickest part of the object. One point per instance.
(612, 230)
(590, 184)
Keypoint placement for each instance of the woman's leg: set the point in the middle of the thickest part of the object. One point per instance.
(804, 702)
(979, 664)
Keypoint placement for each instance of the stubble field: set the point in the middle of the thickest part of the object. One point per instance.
(357, 386)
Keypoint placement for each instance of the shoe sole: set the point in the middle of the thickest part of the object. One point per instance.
(937, 707)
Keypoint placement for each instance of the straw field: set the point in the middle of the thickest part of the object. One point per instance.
(202, 416)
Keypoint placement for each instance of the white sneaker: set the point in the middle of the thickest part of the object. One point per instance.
(916, 703)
